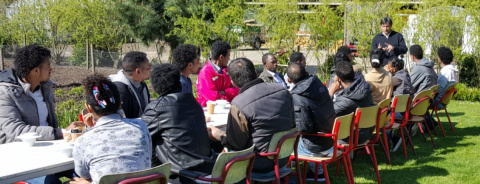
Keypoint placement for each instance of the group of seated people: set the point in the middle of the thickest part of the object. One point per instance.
(172, 128)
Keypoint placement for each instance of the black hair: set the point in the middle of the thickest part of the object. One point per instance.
(133, 60)
(376, 54)
(220, 48)
(30, 57)
(184, 54)
(165, 79)
(101, 94)
(296, 72)
(397, 63)
(344, 71)
(417, 51)
(445, 55)
(265, 57)
(241, 71)
(342, 54)
(386, 20)
(296, 57)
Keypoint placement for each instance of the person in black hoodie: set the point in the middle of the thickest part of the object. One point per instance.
(313, 111)
(176, 122)
(391, 42)
(355, 93)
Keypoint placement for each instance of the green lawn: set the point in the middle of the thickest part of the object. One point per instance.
(455, 161)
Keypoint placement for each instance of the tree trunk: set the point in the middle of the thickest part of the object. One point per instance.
(91, 57)
(1, 58)
(86, 52)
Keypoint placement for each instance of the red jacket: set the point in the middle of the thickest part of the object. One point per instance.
(210, 81)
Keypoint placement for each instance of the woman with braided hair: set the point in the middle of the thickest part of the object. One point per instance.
(113, 144)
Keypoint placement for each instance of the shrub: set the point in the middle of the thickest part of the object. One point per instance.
(68, 111)
(469, 71)
(77, 91)
(467, 93)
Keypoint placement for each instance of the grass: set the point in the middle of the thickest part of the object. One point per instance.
(455, 160)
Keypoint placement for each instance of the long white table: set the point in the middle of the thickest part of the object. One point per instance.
(20, 162)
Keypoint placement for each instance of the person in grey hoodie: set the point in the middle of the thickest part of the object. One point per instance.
(26, 97)
(448, 76)
(423, 76)
(355, 92)
(131, 83)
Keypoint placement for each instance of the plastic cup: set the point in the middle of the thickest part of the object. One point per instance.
(76, 133)
(210, 107)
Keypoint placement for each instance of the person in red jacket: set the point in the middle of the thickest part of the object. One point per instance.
(213, 82)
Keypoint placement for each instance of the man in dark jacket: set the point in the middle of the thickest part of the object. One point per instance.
(313, 113)
(390, 41)
(259, 111)
(176, 122)
(355, 93)
(402, 83)
(269, 74)
(423, 76)
(131, 83)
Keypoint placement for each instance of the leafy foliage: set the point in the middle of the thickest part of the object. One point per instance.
(466, 93)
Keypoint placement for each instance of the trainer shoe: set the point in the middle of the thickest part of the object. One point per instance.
(396, 142)
(311, 177)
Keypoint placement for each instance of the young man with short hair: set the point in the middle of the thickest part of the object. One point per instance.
(131, 83)
(269, 74)
(423, 76)
(187, 60)
(448, 76)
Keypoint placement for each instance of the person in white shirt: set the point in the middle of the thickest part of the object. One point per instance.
(448, 76)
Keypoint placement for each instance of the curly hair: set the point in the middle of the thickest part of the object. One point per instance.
(342, 54)
(133, 60)
(445, 55)
(165, 79)
(101, 94)
(296, 57)
(184, 54)
(30, 57)
(220, 48)
(397, 63)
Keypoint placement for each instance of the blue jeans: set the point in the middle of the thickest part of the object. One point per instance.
(302, 150)
(49, 179)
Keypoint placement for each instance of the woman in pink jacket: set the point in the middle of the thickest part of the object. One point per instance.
(213, 82)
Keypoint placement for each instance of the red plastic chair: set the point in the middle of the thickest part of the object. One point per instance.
(401, 104)
(421, 103)
(230, 167)
(157, 178)
(368, 117)
(282, 145)
(445, 100)
(342, 129)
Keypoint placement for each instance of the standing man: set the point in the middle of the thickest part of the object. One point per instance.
(269, 74)
(391, 42)
(131, 83)
(187, 60)
(213, 82)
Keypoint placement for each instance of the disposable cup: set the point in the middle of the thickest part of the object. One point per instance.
(210, 107)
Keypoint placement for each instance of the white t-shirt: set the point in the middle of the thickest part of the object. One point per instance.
(41, 106)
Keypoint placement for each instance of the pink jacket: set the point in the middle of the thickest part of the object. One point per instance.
(210, 81)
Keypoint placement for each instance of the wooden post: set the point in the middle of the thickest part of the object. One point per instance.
(24, 39)
(91, 57)
(86, 53)
(1, 58)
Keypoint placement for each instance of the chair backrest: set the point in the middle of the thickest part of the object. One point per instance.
(233, 166)
(343, 126)
(157, 178)
(450, 92)
(402, 103)
(434, 90)
(368, 117)
(283, 143)
(384, 106)
(420, 103)
(116, 178)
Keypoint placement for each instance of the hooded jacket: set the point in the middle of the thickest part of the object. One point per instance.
(179, 132)
(19, 113)
(447, 77)
(131, 105)
(423, 76)
(402, 84)
(314, 112)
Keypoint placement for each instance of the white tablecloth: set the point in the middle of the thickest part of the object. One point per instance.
(20, 162)
(219, 117)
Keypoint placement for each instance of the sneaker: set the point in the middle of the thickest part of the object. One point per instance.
(414, 130)
(311, 177)
(396, 142)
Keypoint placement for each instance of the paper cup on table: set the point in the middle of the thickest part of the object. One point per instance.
(211, 107)
(76, 133)
(67, 136)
